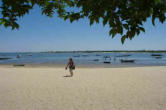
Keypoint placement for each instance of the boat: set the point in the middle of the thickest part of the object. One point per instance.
(107, 62)
(30, 55)
(96, 60)
(98, 55)
(18, 56)
(19, 65)
(106, 56)
(107, 59)
(4, 58)
(126, 55)
(156, 55)
(127, 61)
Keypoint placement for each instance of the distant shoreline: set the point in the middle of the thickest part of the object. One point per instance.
(97, 51)
(142, 51)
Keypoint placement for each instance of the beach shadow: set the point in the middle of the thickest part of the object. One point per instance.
(67, 76)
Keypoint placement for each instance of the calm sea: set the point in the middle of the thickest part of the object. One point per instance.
(86, 59)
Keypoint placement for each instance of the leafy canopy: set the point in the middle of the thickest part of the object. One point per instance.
(124, 17)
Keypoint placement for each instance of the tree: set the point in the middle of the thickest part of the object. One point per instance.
(124, 17)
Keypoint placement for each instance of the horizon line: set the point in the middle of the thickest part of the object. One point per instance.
(54, 51)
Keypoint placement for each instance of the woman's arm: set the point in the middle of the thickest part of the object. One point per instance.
(67, 65)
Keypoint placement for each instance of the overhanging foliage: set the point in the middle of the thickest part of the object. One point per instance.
(124, 17)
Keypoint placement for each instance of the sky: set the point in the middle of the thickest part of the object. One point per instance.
(39, 33)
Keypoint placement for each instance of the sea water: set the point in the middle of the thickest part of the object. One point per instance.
(81, 58)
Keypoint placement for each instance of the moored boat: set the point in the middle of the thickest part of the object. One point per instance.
(107, 62)
(19, 65)
(156, 55)
(96, 60)
(4, 58)
(127, 61)
(18, 56)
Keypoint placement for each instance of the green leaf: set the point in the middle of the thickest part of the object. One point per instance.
(91, 21)
(153, 20)
(2, 22)
(142, 29)
(112, 33)
(105, 20)
(123, 38)
(121, 15)
(126, 26)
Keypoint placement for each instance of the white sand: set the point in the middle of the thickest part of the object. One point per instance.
(137, 88)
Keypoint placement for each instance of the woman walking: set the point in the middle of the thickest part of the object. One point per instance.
(71, 66)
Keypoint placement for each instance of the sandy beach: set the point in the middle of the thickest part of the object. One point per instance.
(129, 88)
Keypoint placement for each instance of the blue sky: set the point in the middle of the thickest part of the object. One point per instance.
(40, 33)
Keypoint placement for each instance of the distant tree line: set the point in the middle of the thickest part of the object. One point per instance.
(98, 51)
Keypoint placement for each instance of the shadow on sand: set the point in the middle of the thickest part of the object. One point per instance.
(67, 76)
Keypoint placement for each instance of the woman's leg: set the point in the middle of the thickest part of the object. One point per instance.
(71, 72)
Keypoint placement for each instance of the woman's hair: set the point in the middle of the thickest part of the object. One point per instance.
(70, 59)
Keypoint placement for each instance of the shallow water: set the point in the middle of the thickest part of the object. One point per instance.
(141, 59)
